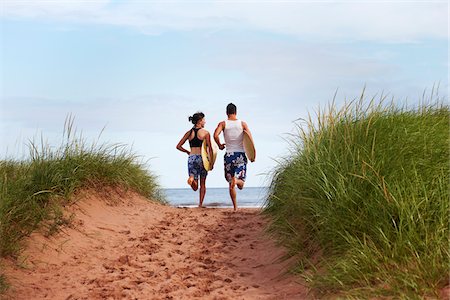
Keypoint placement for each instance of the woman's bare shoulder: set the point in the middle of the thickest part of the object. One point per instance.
(203, 132)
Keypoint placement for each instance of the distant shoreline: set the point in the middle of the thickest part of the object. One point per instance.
(218, 206)
(222, 187)
(249, 197)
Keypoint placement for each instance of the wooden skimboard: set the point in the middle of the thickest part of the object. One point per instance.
(249, 147)
(208, 162)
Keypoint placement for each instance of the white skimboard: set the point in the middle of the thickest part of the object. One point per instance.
(249, 147)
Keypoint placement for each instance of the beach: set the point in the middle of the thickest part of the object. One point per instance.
(119, 245)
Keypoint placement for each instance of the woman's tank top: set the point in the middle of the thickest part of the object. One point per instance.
(195, 142)
(234, 135)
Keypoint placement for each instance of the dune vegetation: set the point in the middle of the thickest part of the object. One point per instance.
(362, 201)
(34, 190)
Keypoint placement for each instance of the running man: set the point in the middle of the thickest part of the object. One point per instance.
(235, 160)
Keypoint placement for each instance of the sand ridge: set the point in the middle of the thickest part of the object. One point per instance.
(136, 249)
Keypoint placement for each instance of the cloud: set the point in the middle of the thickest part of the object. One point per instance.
(115, 113)
(288, 71)
(392, 21)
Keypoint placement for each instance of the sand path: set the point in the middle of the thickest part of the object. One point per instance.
(134, 249)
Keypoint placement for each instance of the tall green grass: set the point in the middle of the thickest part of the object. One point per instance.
(3, 284)
(367, 187)
(33, 190)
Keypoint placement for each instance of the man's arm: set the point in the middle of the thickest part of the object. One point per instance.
(246, 129)
(218, 130)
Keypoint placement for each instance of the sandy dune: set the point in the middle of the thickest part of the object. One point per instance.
(134, 249)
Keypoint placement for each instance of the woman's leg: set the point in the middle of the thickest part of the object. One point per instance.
(202, 190)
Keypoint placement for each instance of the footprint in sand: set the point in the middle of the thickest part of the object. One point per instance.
(245, 274)
(124, 259)
(109, 267)
(143, 238)
(148, 274)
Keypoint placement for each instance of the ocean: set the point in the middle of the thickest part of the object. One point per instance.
(217, 197)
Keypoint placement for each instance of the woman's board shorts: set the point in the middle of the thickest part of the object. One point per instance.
(195, 167)
(235, 165)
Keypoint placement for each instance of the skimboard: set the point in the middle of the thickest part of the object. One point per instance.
(249, 147)
(208, 162)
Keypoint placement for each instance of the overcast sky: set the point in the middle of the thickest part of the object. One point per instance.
(140, 68)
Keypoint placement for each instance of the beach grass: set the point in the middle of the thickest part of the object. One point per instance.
(362, 200)
(3, 285)
(33, 190)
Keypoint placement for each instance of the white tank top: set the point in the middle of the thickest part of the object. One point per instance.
(234, 135)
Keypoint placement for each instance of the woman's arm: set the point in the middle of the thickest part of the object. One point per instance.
(182, 141)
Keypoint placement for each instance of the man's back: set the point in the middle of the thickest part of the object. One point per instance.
(234, 135)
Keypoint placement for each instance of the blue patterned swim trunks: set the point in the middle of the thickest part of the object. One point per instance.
(235, 165)
(195, 167)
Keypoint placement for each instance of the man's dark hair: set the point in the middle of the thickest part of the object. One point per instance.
(231, 109)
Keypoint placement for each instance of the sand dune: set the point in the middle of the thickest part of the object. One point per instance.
(123, 247)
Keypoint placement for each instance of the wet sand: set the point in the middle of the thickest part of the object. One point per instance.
(121, 246)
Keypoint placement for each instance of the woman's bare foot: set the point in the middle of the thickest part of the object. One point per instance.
(193, 183)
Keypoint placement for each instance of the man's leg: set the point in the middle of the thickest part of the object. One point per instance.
(241, 171)
(233, 192)
(229, 168)
(240, 183)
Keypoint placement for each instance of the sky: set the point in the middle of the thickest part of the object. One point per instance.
(132, 72)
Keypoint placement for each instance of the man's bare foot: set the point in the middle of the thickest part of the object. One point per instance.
(240, 184)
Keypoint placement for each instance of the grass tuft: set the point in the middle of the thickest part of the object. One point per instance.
(368, 186)
(3, 284)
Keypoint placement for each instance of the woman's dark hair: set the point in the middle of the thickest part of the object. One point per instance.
(196, 117)
(231, 109)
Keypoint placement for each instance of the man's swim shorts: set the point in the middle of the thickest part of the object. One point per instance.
(235, 165)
